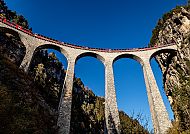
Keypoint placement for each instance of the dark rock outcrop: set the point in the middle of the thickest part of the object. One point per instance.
(174, 27)
(22, 108)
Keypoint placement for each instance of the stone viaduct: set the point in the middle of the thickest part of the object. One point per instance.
(72, 53)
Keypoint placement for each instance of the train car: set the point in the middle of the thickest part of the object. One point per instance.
(39, 36)
(9, 23)
(4, 20)
(18, 27)
(43, 37)
(28, 31)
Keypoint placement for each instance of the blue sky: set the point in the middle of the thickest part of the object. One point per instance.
(103, 24)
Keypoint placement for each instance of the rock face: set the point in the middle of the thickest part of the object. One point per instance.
(174, 27)
(22, 107)
(11, 47)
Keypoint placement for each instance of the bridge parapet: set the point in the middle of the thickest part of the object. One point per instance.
(21, 30)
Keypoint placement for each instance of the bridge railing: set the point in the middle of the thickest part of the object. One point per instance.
(42, 37)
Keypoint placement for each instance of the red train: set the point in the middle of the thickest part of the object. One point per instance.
(14, 25)
(27, 31)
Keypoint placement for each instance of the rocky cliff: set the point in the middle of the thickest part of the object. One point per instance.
(22, 107)
(174, 27)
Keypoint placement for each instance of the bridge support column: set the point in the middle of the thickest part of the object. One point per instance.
(158, 110)
(111, 110)
(29, 53)
(65, 103)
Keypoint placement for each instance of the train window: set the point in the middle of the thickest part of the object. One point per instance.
(19, 27)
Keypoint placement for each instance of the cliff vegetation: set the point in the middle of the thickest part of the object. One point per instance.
(174, 27)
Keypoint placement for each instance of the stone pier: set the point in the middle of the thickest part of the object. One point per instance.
(65, 103)
(158, 110)
(111, 110)
(30, 48)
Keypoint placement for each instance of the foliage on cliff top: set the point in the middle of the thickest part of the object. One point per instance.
(131, 125)
(12, 15)
(160, 23)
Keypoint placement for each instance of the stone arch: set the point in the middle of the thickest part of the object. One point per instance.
(61, 56)
(164, 50)
(128, 80)
(16, 49)
(10, 31)
(53, 46)
(131, 56)
(49, 46)
(91, 54)
(154, 63)
(87, 93)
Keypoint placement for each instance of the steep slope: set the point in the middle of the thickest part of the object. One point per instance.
(22, 108)
(174, 27)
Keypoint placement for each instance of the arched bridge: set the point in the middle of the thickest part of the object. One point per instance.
(72, 53)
